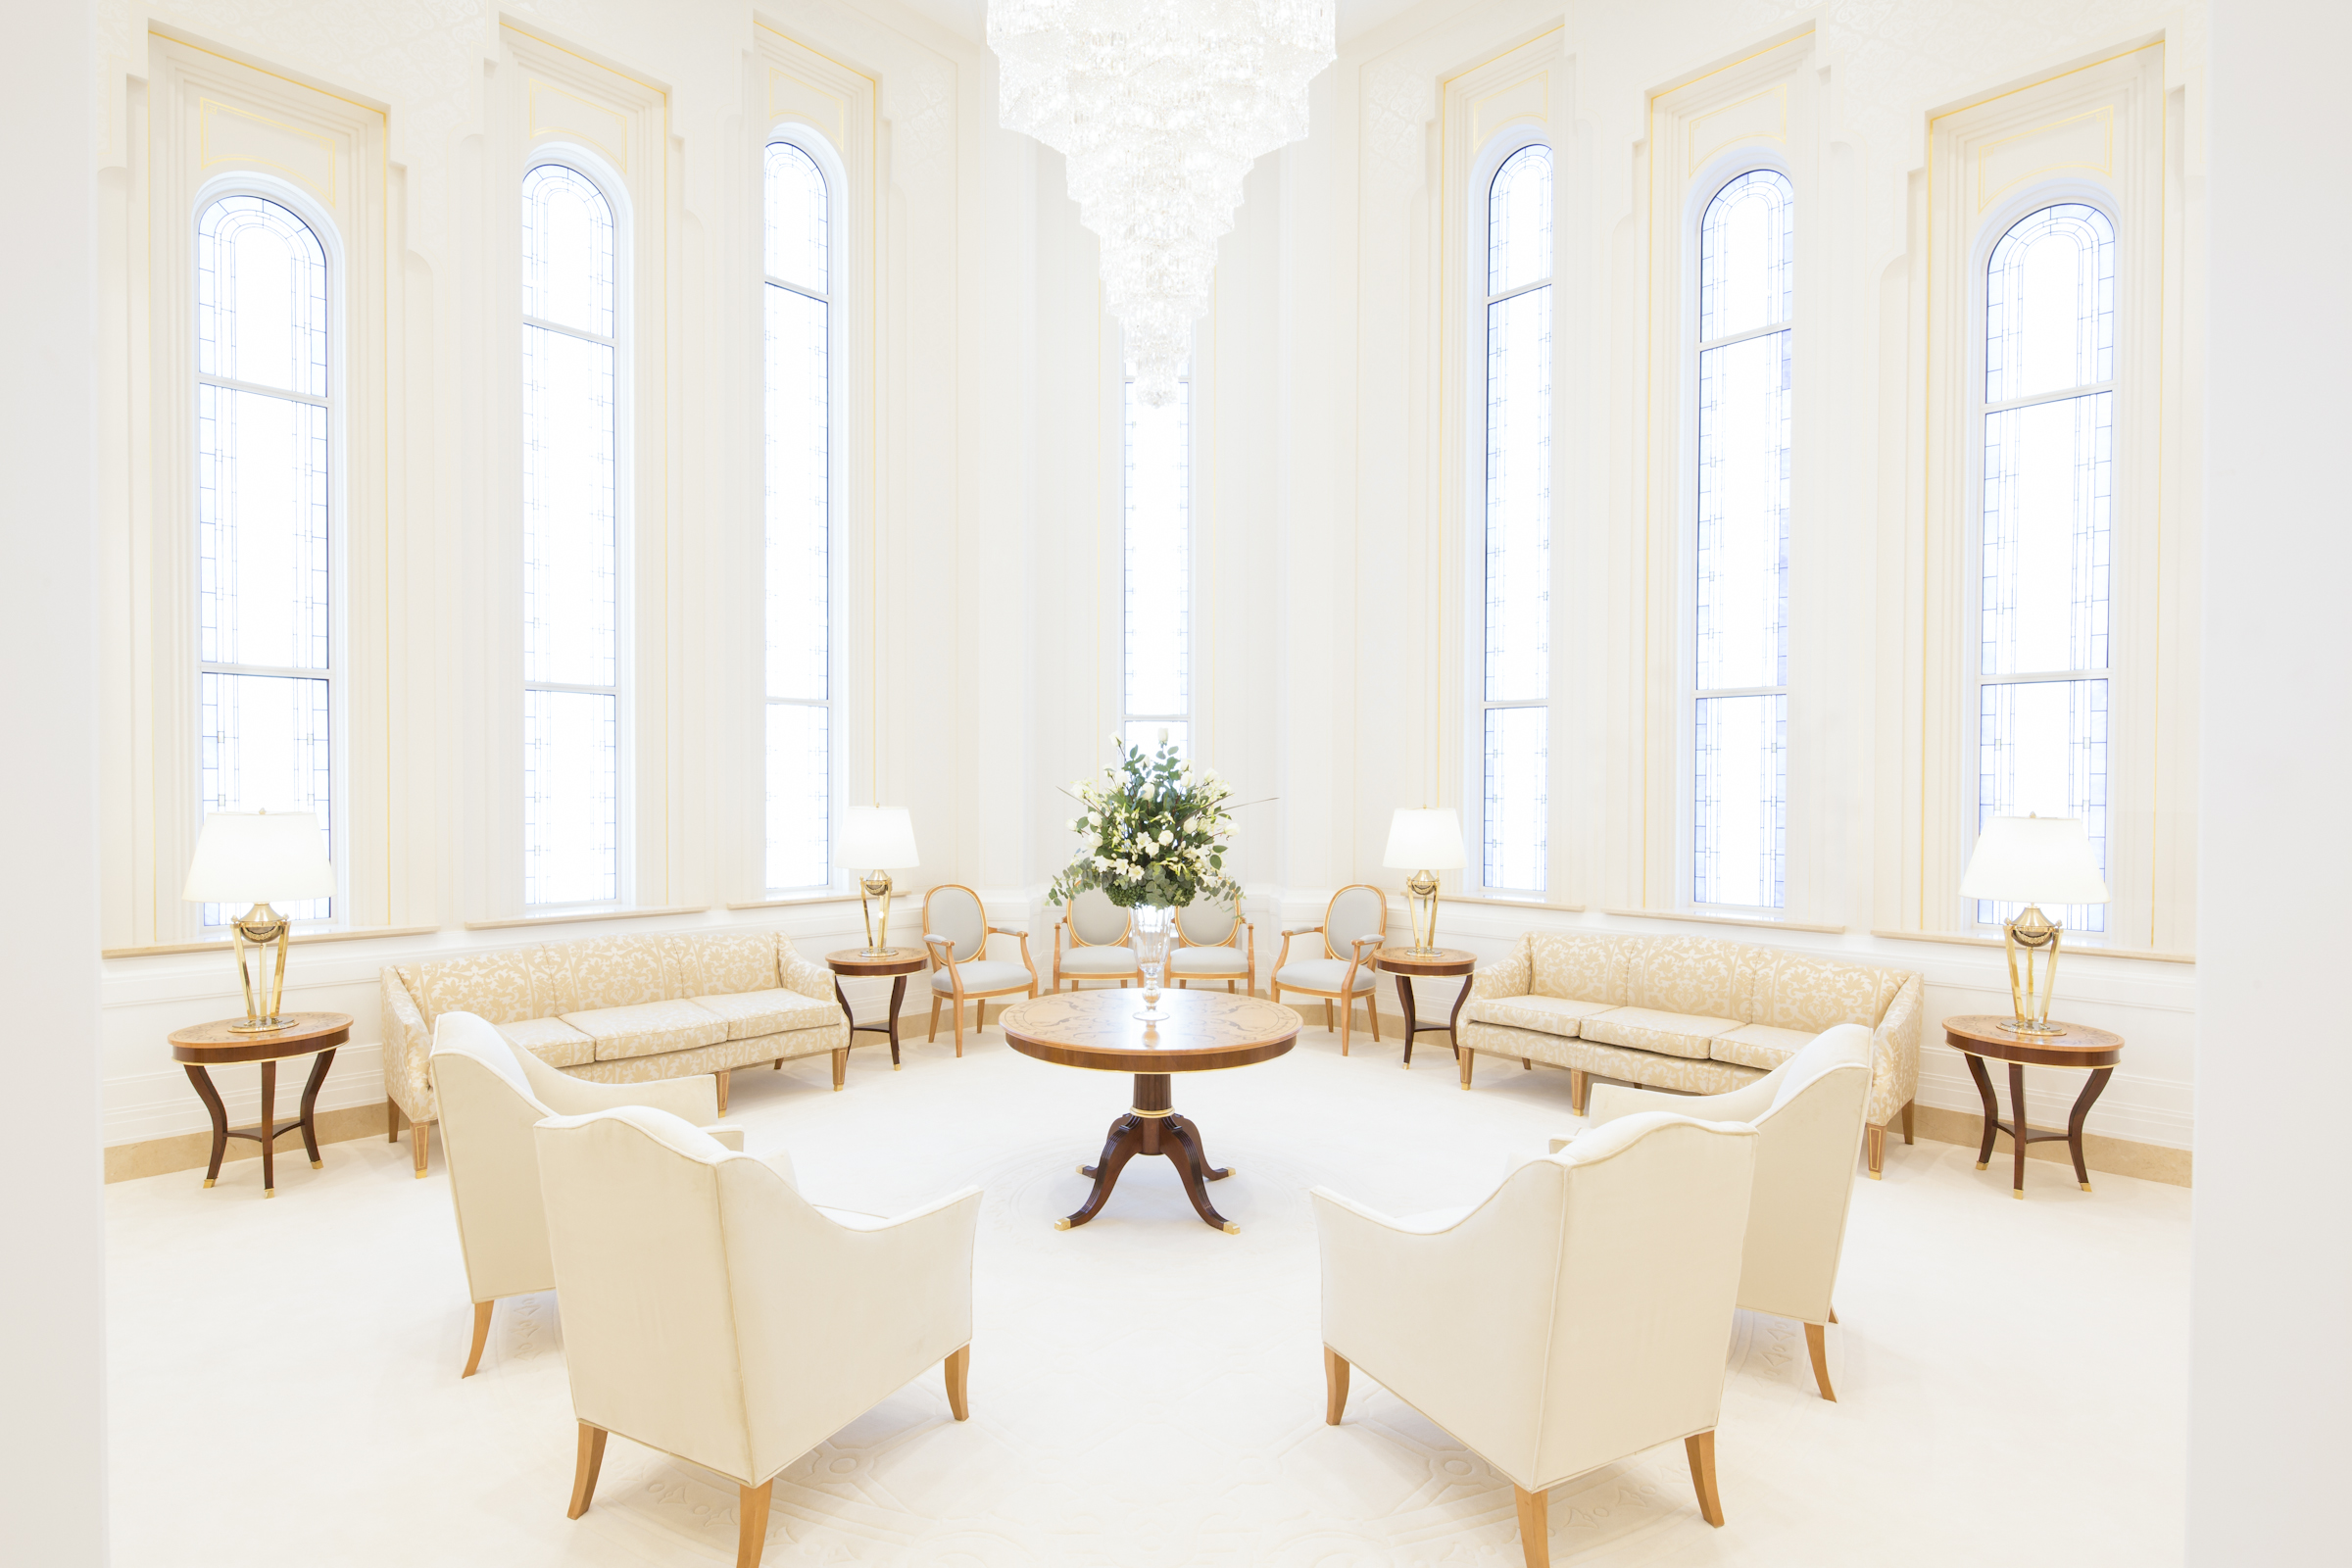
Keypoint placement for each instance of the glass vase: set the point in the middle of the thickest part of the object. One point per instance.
(1153, 925)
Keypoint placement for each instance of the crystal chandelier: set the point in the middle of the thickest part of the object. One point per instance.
(1160, 107)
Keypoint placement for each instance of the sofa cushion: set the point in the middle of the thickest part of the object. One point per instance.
(749, 1014)
(1793, 991)
(648, 1028)
(1551, 1016)
(724, 965)
(1692, 975)
(620, 972)
(983, 975)
(1759, 1045)
(550, 1039)
(1207, 960)
(503, 986)
(1669, 1034)
(1323, 974)
(1096, 961)
(1578, 968)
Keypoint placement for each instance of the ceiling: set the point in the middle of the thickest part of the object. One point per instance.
(970, 17)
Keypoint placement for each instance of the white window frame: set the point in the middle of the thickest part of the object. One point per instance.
(593, 168)
(839, 282)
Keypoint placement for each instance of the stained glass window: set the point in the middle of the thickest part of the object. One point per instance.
(1515, 685)
(799, 457)
(1158, 570)
(265, 577)
(571, 700)
(2048, 432)
(1739, 705)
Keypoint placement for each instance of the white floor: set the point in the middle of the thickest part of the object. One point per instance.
(1145, 1390)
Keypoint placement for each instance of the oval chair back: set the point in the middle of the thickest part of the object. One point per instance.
(953, 911)
(1094, 921)
(1209, 922)
(1360, 910)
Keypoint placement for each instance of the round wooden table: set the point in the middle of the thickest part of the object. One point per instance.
(1203, 1032)
(1445, 963)
(898, 964)
(222, 1045)
(1979, 1035)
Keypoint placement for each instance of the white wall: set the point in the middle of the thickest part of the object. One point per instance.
(2271, 1370)
(52, 1296)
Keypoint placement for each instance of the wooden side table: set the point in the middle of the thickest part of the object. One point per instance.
(854, 962)
(1404, 964)
(1979, 1035)
(219, 1045)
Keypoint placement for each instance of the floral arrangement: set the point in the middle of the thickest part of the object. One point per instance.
(1157, 831)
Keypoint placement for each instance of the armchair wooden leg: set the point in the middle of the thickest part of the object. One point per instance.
(1335, 1385)
(1817, 1343)
(935, 1020)
(1347, 1023)
(959, 1366)
(1372, 1006)
(1832, 1314)
(1875, 1139)
(959, 1026)
(1578, 1083)
(419, 1144)
(750, 1535)
(481, 1337)
(391, 1121)
(841, 1069)
(1702, 1450)
(1328, 1026)
(1467, 1057)
(1908, 1107)
(583, 1473)
(1534, 1527)
(725, 1077)
(979, 1015)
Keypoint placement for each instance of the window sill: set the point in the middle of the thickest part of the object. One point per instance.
(590, 914)
(2070, 946)
(302, 939)
(1495, 901)
(795, 900)
(1756, 921)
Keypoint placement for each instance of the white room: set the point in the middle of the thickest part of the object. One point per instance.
(1646, 683)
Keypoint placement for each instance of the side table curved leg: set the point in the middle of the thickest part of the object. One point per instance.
(1190, 1168)
(897, 993)
(1190, 1144)
(2017, 1135)
(1453, 1019)
(1992, 1106)
(1126, 1139)
(219, 1112)
(309, 1106)
(2074, 1122)
(1404, 1000)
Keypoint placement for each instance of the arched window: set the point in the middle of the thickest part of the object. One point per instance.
(1515, 683)
(266, 578)
(800, 303)
(1156, 618)
(1739, 604)
(572, 713)
(2048, 421)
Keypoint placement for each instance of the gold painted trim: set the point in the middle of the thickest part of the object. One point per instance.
(592, 915)
(300, 939)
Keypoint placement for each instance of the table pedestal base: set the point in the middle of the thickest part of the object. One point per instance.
(1152, 1127)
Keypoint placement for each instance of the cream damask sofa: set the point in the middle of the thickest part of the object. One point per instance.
(1685, 1013)
(615, 1011)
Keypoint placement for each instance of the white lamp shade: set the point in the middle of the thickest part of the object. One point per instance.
(259, 858)
(2035, 860)
(877, 838)
(1426, 840)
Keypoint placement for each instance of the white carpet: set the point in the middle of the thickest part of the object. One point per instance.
(1145, 1390)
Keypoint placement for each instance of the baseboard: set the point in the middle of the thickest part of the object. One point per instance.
(2117, 1157)
(160, 1156)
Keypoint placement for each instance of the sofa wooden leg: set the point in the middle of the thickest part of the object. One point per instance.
(1908, 1107)
(1335, 1385)
(958, 1368)
(481, 1337)
(750, 1535)
(1534, 1527)
(583, 1473)
(1526, 1064)
(1701, 1449)
(1875, 1140)
(391, 1121)
(1577, 1086)
(725, 1079)
(419, 1144)
(841, 1069)
(1465, 1057)
(1816, 1345)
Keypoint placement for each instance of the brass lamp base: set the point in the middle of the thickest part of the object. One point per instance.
(1422, 890)
(261, 926)
(876, 885)
(2031, 933)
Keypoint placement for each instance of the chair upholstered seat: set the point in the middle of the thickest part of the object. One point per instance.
(1322, 974)
(550, 1039)
(1206, 961)
(1668, 1034)
(1551, 1016)
(649, 1029)
(984, 975)
(752, 1014)
(1758, 1045)
(1088, 960)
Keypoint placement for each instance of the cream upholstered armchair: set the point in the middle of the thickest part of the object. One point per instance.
(1096, 948)
(956, 930)
(713, 1313)
(1808, 1116)
(1605, 1276)
(1209, 936)
(1354, 923)
(491, 1093)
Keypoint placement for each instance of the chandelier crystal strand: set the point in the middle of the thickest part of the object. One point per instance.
(1160, 107)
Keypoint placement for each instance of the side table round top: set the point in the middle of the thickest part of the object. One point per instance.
(218, 1042)
(854, 961)
(1100, 1029)
(1444, 961)
(2081, 1046)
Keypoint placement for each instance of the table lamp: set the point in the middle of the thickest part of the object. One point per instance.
(881, 837)
(251, 858)
(2032, 860)
(1425, 840)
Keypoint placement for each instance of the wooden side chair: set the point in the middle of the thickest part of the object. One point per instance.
(1208, 938)
(1097, 949)
(1354, 924)
(956, 930)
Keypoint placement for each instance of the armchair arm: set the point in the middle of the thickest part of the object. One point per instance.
(1895, 1056)
(1027, 963)
(1606, 1102)
(407, 1050)
(1512, 976)
(1356, 959)
(694, 1100)
(727, 1134)
(942, 955)
(1283, 959)
(811, 980)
